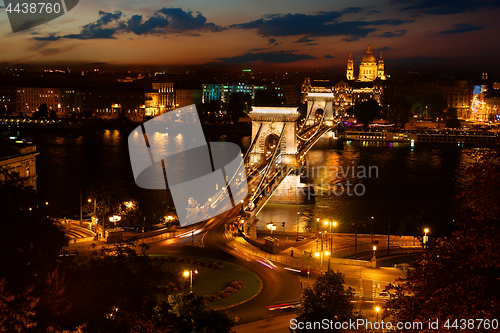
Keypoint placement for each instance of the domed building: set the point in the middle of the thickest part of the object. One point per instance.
(335, 99)
(369, 70)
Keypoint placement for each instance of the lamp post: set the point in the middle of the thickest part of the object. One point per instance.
(377, 310)
(426, 238)
(190, 273)
(374, 249)
(372, 229)
(298, 220)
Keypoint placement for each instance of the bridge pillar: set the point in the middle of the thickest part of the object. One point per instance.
(321, 101)
(272, 120)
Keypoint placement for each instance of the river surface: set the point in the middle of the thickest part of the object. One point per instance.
(383, 180)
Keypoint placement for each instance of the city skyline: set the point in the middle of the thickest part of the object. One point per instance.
(412, 34)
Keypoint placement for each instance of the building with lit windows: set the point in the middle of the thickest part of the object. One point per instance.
(166, 96)
(19, 156)
(28, 100)
(492, 104)
(222, 91)
(7, 99)
(458, 93)
(185, 97)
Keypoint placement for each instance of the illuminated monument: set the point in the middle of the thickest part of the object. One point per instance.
(334, 100)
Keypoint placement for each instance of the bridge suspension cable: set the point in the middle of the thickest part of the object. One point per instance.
(270, 163)
(317, 129)
(278, 183)
(307, 117)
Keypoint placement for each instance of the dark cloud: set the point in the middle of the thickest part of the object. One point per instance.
(390, 34)
(329, 56)
(163, 21)
(304, 39)
(181, 20)
(350, 39)
(320, 25)
(373, 11)
(259, 49)
(138, 27)
(278, 57)
(352, 10)
(271, 41)
(50, 38)
(461, 27)
(309, 44)
(385, 48)
(444, 7)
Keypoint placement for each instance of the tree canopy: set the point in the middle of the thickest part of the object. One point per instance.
(328, 298)
(457, 276)
(368, 111)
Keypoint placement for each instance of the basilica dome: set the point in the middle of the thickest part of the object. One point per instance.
(368, 57)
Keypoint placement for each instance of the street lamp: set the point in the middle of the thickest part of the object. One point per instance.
(331, 223)
(426, 238)
(372, 229)
(271, 226)
(190, 274)
(374, 249)
(298, 220)
(377, 310)
(114, 219)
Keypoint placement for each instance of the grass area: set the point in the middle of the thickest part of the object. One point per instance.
(212, 280)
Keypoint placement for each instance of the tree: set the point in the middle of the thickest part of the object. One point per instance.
(328, 298)
(457, 277)
(104, 292)
(441, 224)
(435, 105)
(400, 110)
(109, 198)
(210, 110)
(53, 113)
(268, 98)
(188, 313)
(16, 312)
(238, 104)
(43, 111)
(30, 242)
(368, 111)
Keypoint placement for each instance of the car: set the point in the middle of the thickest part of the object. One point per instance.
(299, 238)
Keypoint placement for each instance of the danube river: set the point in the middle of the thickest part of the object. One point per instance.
(383, 180)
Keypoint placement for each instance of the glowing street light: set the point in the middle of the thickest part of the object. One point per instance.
(190, 274)
(426, 238)
(271, 226)
(377, 310)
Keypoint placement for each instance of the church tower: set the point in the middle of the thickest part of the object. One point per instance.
(380, 71)
(350, 68)
(368, 67)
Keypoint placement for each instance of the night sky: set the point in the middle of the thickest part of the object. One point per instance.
(412, 34)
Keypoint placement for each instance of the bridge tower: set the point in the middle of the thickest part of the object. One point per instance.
(268, 123)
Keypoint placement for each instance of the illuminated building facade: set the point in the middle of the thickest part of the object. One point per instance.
(492, 104)
(222, 91)
(28, 100)
(19, 156)
(185, 97)
(335, 99)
